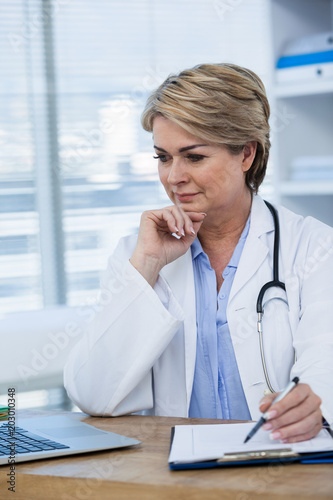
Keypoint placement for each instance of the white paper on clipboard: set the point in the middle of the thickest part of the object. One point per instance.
(196, 443)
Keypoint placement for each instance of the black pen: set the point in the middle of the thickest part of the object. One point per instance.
(264, 418)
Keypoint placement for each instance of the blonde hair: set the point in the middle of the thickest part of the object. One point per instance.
(223, 104)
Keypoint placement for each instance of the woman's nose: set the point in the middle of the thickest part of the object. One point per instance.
(178, 172)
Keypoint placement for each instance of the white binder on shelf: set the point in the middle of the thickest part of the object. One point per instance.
(308, 58)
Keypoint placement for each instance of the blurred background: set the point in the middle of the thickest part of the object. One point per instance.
(76, 169)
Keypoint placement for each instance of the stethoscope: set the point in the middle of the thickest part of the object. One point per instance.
(270, 284)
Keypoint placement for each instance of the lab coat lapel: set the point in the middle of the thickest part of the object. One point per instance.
(244, 289)
(180, 277)
(255, 248)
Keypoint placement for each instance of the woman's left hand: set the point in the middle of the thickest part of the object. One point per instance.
(297, 417)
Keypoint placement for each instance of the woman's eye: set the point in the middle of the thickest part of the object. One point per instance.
(162, 158)
(194, 158)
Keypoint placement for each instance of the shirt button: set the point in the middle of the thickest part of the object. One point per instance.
(226, 272)
(222, 296)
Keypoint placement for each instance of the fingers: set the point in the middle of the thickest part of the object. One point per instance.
(301, 430)
(267, 401)
(296, 417)
(155, 245)
(182, 223)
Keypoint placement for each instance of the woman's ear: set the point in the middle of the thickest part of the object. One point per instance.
(249, 153)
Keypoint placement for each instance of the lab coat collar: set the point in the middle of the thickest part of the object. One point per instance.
(261, 218)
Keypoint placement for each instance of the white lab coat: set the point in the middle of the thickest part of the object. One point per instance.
(140, 346)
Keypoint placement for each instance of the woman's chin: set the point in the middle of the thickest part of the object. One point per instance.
(189, 206)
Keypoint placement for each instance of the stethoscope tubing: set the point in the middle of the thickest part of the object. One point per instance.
(270, 284)
(276, 282)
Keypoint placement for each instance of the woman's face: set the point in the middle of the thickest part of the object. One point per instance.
(199, 176)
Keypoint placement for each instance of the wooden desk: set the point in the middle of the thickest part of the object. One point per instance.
(142, 472)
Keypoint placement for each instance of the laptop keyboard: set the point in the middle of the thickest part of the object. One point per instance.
(23, 441)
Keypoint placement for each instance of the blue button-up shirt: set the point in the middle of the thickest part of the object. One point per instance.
(217, 387)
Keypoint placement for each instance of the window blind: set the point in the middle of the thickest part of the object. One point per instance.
(108, 56)
(20, 258)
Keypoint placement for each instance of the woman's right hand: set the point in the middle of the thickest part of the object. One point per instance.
(156, 246)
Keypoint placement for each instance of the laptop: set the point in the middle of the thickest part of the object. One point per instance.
(54, 436)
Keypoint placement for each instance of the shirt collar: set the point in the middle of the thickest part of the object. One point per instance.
(196, 248)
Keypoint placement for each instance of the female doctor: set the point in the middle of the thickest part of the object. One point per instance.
(176, 330)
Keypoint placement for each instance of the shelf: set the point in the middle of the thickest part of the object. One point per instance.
(302, 118)
(300, 88)
(296, 188)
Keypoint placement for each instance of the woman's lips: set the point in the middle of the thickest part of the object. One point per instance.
(185, 196)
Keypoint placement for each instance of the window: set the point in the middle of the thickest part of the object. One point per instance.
(20, 262)
(76, 170)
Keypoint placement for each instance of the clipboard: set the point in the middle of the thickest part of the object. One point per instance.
(253, 457)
